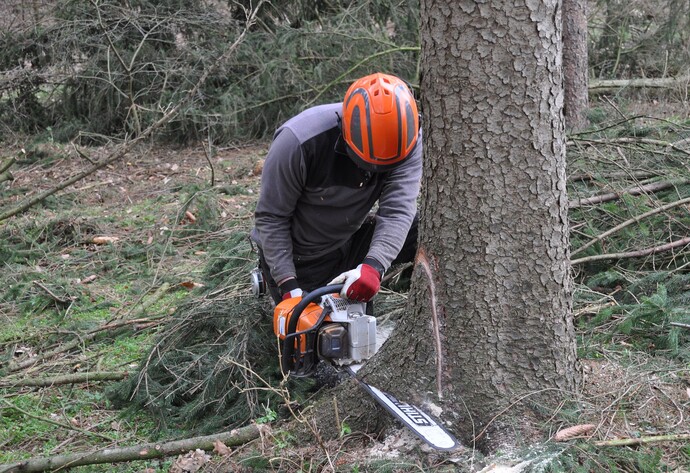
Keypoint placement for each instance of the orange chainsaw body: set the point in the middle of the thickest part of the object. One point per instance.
(309, 317)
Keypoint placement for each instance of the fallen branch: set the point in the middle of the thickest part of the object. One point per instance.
(7, 164)
(638, 175)
(15, 366)
(636, 190)
(642, 440)
(664, 83)
(630, 140)
(123, 148)
(630, 222)
(678, 324)
(633, 254)
(5, 174)
(148, 451)
(75, 378)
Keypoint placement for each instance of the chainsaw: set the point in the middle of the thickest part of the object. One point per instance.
(322, 326)
(334, 329)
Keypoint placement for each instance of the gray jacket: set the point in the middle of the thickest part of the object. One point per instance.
(314, 197)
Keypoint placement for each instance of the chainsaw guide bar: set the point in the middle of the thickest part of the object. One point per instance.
(411, 416)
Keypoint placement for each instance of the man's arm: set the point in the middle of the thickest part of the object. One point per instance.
(282, 182)
(397, 208)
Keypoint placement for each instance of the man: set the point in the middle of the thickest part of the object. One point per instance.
(325, 170)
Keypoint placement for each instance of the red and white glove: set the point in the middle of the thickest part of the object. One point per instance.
(294, 293)
(290, 288)
(360, 284)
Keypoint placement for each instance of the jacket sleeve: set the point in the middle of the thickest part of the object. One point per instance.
(397, 208)
(282, 183)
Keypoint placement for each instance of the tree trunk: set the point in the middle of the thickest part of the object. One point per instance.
(489, 318)
(575, 70)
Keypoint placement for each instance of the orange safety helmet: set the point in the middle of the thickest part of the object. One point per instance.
(380, 122)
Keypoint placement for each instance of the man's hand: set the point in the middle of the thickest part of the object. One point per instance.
(294, 293)
(289, 288)
(360, 284)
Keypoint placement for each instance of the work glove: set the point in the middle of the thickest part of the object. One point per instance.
(290, 289)
(360, 284)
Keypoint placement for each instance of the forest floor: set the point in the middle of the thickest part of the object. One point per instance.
(72, 304)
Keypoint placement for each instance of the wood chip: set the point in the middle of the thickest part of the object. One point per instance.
(575, 431)
(104, 240)
(220, 448)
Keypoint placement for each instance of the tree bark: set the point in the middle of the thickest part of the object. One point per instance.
(575, 65)
(138, 452)
(489, 320)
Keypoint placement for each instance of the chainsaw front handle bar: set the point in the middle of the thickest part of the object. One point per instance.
(308, 298)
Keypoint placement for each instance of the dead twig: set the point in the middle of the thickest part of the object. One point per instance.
(143, 322)
(209, 155)
(633, 254)
(642, 440)
(56, 298)
(636, 190)
(9, 405)
(645, 141)
(148, 451)
(629, 222)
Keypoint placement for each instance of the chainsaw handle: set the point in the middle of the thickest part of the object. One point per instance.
(289, 343)
(308, 299)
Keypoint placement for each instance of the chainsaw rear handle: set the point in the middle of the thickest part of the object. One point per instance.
(308, 298)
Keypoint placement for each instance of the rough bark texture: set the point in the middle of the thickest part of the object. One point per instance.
(575, 63)
(489, 318)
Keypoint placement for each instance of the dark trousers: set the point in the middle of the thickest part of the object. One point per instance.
(316, 273)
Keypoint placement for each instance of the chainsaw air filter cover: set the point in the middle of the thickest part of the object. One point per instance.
(333, 342)
(360, 331)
